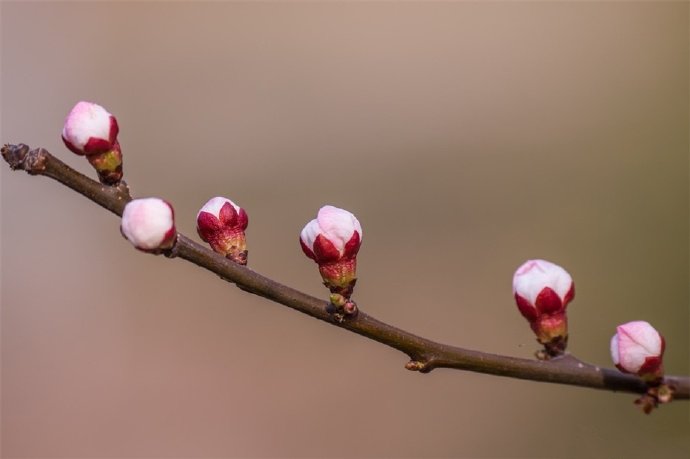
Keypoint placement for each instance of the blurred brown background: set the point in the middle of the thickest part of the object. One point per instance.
(466, 137)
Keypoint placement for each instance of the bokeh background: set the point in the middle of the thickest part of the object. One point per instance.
(467, 137)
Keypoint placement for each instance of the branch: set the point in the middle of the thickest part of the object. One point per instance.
(425, 355)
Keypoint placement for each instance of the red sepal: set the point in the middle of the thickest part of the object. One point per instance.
(548, 302)
(569, 296)
(307, 251)
(231, 219)
(650, 365)
(242, 220)
(208, 226)
(95, 146)
(528, 311)
(171, 234)
(352, 246)
(227, 215)
(114, 129)
(324, 250)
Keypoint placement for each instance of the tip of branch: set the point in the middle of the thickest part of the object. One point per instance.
(15, 155)
(19, 157)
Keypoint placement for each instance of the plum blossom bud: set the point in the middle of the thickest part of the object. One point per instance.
(638, 348)
(332, 240)
(92, 132)
(221, 223)
(149, 224)
(89, 129)
(542, 292)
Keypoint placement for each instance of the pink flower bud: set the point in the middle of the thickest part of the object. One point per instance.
(542, 292)
(332, 240)
(149, 224)
(221, 223)
(638, 348)
(90, 130)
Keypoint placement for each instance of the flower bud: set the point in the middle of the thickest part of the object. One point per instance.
(221, 223)
(542, 292)
(92, 132)
(638, 348)
(332, 240)
(149, 224)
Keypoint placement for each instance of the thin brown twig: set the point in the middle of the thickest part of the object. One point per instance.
(425, 355)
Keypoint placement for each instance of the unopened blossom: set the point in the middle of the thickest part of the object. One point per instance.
(638, 348)
(91, 131)
(149, 224)
(332, 240)
(542, 292)
(221, 223)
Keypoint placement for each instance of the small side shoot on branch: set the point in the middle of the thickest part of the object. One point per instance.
(333, 240)
(542, 292)
(92, 132)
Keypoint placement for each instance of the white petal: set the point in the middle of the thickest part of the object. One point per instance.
(533, 275)
(214, 205)
(86, 120)
(615, 356)
(309, 233)
(337, 225)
